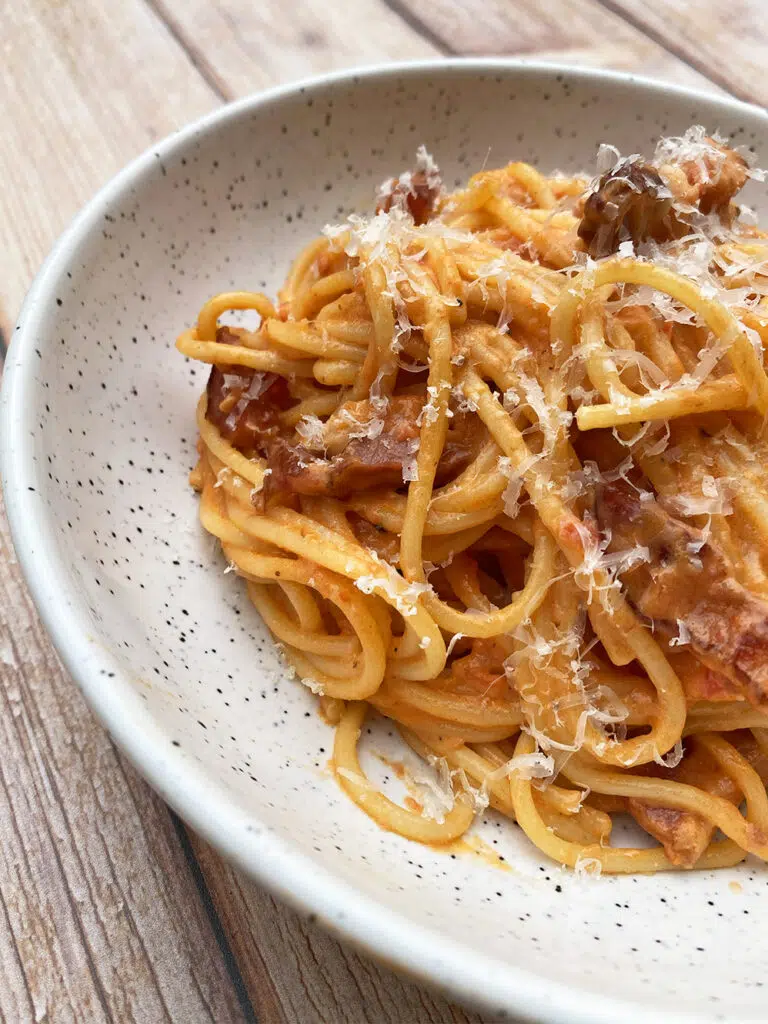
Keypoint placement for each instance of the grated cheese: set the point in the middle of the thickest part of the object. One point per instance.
(311, 430)
(683, 635)
(672, 758)
(403, 595)
(714, 500)
(313, 685)
(588, 867)
(514, 488)
(453, 641)
(410, 464)
(429, 411)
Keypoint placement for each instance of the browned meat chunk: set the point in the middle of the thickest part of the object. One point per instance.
(363, 463)
(631, 203)
(242, 403)
(685, 836)
(465, 435)
(713, 178)
(416, 191)
(687, 581)
(634, 201)
(367, 463)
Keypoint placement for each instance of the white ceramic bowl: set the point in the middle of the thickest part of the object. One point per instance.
(98, 437)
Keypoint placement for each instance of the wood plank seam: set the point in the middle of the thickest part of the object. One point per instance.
(194, 53)
(22, 720)
(677, 51)
(217, 926)
(413, 21)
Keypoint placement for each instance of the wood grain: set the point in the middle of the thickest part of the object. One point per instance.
(296, 974)
(725, 41)
(94, 886)
(101, 915)
(560, 30)
(86, 86)
(100, 918)
(248, 46)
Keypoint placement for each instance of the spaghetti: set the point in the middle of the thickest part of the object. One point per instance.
(495, 468)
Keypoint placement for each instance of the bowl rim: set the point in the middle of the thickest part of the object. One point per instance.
(425, 955)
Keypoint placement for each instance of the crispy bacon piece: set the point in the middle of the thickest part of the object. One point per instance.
(243, 403)
(245, 406)
(688, 581)
(466, 434)
(631, 203)
(685, 836)
(413, 194)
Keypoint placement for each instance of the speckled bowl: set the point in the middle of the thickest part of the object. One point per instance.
(98, 437)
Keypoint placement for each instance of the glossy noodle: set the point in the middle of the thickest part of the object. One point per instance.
(494, 467)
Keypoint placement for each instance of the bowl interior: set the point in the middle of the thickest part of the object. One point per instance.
(103, 407)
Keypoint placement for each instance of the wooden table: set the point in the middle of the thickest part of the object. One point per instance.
(110, 909)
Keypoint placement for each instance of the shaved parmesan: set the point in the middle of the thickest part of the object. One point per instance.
(311, 430)
(513, 490)
(588, 867)
(404, 596)
(693, 146)
(714, 500)
(672, 758)
(426, 165)
(463, 404)
(410, 464)
(454, 640)
(683, 635)
(526, 766)
(430, 411)
(370, 428)
(434, 788)
(313, 685)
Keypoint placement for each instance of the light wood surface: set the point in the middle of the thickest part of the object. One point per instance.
(109, 909)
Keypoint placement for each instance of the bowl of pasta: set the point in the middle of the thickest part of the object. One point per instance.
(386, 456)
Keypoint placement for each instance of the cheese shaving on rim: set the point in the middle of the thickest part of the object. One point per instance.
(313, 685)
(588, 867)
